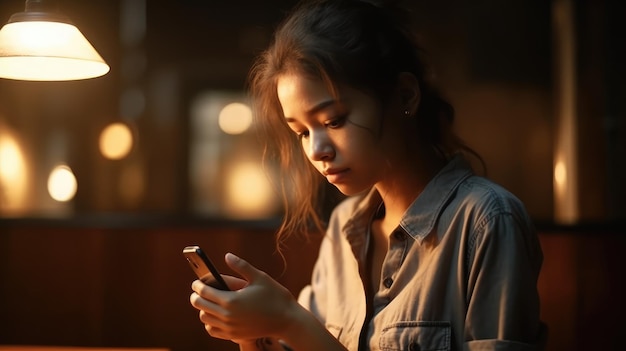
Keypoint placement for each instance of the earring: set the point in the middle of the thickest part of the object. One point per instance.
(407, 113)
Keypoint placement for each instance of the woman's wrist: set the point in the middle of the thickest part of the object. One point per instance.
(305, 332)
(296, 321)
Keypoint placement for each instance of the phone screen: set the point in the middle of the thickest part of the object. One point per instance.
(204, 268)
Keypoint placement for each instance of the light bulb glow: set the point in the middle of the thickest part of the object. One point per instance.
(62, 184)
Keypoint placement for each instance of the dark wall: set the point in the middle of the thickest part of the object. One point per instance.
(121, 286)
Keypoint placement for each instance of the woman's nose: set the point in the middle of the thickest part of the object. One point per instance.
(320, 147)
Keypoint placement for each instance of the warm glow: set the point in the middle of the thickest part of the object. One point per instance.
(116, 141)
(11, 162)
(566, 182)
(560, 174)
(559, 180)
(249, 193)
(62, 184)
(47, 51)
(13, 174)
(235, 118)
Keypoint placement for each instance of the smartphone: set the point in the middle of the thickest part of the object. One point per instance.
(204, 268)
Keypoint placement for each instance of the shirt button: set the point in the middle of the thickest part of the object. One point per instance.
(414, 347)
(399, 235)
(387, 282)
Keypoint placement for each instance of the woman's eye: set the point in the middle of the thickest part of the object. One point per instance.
(337, 122)
(301, 135)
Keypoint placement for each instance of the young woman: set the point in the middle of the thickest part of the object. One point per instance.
(422, 254)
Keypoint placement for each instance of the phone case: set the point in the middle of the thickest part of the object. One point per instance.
(203, 267)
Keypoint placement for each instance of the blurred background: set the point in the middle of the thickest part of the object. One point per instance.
(103, 181)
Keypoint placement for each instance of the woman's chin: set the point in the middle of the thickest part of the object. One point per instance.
(350, 190)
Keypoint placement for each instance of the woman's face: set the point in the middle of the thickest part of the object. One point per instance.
(341, 138)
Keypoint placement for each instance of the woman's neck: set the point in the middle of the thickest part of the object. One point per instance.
(404, 183)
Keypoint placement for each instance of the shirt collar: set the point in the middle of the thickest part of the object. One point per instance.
(421, 216)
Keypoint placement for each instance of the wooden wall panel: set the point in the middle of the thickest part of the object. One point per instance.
(128, 285)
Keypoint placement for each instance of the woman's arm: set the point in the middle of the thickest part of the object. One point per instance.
(504, 306)
(306, 335)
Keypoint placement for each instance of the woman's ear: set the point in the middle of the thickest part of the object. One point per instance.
(409, 93)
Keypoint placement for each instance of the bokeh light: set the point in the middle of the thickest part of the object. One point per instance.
(560, 174)
(116, 141)
(249, 192)
(235, 118)
(13, 174)
(62, 184)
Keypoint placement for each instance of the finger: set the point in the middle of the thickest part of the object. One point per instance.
(208, 318)
(215, 332)
(218, 333)
(210, 280)
(202, 304)
(197, 301)
(218, 328)
(198, 286)
(207, 292)
(242, 267)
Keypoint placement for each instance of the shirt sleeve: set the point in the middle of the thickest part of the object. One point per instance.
(502, 296)
(313, 296)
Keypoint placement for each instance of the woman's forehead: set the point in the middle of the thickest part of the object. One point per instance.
(299, 94)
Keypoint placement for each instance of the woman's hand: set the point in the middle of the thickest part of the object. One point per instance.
(257, 307)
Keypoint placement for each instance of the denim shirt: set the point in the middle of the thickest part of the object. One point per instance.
(460, 272)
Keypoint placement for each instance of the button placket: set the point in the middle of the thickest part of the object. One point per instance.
(393, 260)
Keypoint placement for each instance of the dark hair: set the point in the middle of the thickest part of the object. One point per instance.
(361, 44)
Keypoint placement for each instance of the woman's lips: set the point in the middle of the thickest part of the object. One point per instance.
(336, 175)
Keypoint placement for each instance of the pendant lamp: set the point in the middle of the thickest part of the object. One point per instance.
(41, 44)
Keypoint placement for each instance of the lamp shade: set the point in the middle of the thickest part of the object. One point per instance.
(35, 48)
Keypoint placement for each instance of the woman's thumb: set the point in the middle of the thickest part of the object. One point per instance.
(241, 266)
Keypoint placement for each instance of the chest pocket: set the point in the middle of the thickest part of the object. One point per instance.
(416, 336)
